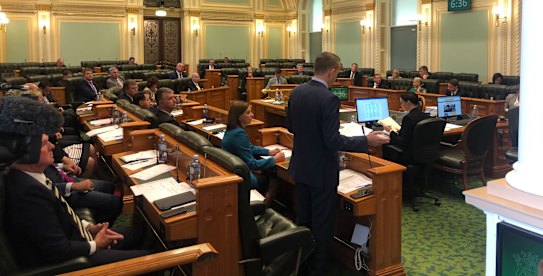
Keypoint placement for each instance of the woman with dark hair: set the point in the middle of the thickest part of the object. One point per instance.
(151, 88)
(236, 141)
(497, 78)
(409, 103)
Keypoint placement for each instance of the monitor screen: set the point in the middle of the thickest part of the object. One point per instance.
(341, 92)
(449, 106)
(519, 251)
(371, 109)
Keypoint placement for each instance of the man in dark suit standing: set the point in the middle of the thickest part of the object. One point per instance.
(87, 90)
(43, 228)
(179, 72)
(194, 84)
(453, 90)
(355, 75)
(313, 117)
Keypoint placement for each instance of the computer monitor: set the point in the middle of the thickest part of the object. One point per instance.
(449, 106)
(371, 109)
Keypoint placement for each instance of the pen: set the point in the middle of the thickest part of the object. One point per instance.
(137, 161)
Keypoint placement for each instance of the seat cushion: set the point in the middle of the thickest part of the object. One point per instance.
(271, 222)
(454, 158)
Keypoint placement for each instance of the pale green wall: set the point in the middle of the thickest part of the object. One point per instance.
(275, 43)
(17, 40)
(274, 2)
(230, 41)
(89, 41)
(404, 12)
(226, 2)
(349, 43)
(464, 43)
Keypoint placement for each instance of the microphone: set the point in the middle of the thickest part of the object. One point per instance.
(205, 163)
(177, 162)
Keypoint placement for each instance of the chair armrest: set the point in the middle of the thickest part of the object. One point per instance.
(71, 265)
(285, 241)
(449, 145)
(150, 263)
(258, 207)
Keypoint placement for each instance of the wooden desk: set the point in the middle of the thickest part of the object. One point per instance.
(287, 71)
(232, 81)
(221, 116)
(59, 93)
(185, 105)
(215, 219)
(382, 210)
(218, 96)
(213, 77)
(344, 82)
(271, 114)
(254, 88)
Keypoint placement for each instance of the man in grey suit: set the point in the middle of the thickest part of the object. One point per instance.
(114, 79)
(313, 118)
(277, 79)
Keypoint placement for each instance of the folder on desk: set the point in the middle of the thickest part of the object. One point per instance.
(391, 123)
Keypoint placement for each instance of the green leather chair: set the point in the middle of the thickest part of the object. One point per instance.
(270, 244)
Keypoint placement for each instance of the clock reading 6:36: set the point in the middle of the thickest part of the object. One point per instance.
(459, 5)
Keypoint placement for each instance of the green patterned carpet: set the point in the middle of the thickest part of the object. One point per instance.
(445, 240)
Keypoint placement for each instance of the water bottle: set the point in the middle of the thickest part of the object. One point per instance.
(342, 161)
(353, 119)
(177, 103)
(115, 115)
(281, 97)
(194, 169)
(162, 148)
(124, 118)
(474, 112)
(205, 112)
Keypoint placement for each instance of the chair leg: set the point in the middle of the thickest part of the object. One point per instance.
(465, 179)
(482, 176)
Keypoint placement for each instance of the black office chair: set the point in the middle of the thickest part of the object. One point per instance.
(468, 156)
(424, 150)
(271, 244)
(513, 119)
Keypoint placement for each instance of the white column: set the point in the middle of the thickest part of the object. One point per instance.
(527, 173)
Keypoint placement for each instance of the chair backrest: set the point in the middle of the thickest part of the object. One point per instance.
(7, 263)
(426, 140)
(422, 103)
(513, 120)
(477, 137)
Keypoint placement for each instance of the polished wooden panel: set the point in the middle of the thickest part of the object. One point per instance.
(381, 211)
(213, 77)
(59, 94)
(233, 82)
(344, 82)
(200, 255)
(254, 88)
(218, 96)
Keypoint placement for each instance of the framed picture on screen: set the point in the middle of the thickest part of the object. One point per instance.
(518, 251)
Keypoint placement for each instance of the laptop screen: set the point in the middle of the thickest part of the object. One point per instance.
(449, 106)
(371, 109)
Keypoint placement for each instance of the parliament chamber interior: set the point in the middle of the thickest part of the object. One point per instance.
(162, 132)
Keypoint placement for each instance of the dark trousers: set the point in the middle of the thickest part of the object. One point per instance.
(317, 210)
(107, 206)
(123, 250)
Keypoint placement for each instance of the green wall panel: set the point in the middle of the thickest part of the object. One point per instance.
(226, 2)
(275, 42)
(17, 41)
(230, 41)
(89, 41)
(349, 43)
(274, 2)
(464, 43)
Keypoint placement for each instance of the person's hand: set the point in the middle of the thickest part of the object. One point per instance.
(279, 157)
(274, 152)
(95, 228)
(85, 185)
(387, 128)
(106, 238)
(69, 166)
(377, 138)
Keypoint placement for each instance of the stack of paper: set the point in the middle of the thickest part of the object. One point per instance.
(160, 189)
(148, 154)
(115, 134)
(353, 129)
(216, 127)
(176, 113)
(97, 131)
(391, 123)
(196, 122)
(153, 171)
(100, 122)
(450, 126)
(350, 180)
(285, 150)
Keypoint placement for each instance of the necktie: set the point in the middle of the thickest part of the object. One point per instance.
(352, 75)
(93, 88)
(120, 82)
(276, 80)
(179, 75)
(85, 234)
(197, 86)
(65, 176)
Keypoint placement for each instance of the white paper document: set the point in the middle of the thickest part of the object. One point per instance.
(341, 110)
(285, 150)
(160, 189)
(255, 196)
(350, 180)
(139, 156)
(196, 122)
(97, 131)
(268, 100)
(176, 113)
(153, 171)
(112, 135)
(450, 126)
(138, 164)
(391, 123)
(353, 129)
(220, 135)
(100, 122)
(217, 127)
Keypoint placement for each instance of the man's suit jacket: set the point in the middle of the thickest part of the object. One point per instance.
(404, 138)
(190, 85)
(304, 73)
(357, 79)
(460, 93)
(84, 92)
(123, 95)
(110, 82)
(173, 75)
(39, 227)
(381, 85)
(164, 117)
(313, 117)
(510, 100)
(282, 80)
